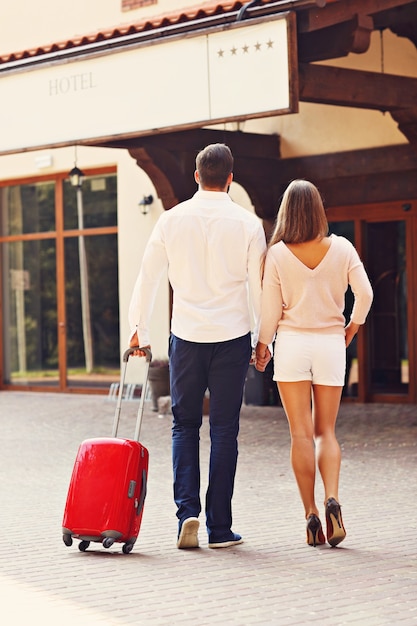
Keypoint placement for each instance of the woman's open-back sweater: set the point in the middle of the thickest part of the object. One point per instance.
(297, 298)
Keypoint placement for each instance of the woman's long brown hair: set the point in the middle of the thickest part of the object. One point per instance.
(301, 216)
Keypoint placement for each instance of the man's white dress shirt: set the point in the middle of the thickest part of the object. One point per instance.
(213, 250)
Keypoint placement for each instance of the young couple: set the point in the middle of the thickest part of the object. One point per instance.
(214, 250)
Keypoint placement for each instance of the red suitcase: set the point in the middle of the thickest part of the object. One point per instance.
(107, 489)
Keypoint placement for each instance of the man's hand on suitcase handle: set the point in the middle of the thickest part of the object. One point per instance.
(134, 344)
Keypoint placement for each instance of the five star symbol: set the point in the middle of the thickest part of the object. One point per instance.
(246, 49)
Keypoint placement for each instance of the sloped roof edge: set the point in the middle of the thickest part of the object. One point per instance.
(190, 18)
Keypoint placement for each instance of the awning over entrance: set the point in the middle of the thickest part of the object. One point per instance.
(195, 69)
(239, 71)
(117, 89)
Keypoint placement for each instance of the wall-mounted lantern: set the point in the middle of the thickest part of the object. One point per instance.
(145, 204)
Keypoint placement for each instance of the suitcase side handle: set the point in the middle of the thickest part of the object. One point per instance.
(116, 420)
(143, 491)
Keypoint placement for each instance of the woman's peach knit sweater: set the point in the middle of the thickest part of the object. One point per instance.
(297, 298)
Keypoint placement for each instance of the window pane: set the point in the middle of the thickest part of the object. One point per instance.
(101, 331)
(29, 305)
(27, 208)
(99, 200)
(388, 316)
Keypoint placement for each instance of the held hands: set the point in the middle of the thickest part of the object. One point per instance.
(134, 343)
(263, 356)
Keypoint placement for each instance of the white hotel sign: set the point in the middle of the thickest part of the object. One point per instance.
(233, 73)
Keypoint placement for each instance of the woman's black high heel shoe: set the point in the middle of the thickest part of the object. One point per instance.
(335, 530)
(315, 536)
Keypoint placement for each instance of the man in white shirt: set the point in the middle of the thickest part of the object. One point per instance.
(213, 250)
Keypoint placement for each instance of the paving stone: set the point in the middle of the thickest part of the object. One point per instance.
(273, 578)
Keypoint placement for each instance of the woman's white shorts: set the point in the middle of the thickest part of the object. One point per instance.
(316, 357)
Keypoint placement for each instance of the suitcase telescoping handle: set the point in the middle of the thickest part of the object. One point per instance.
(126, 356)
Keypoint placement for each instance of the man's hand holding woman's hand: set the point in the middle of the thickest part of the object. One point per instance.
(263, 356)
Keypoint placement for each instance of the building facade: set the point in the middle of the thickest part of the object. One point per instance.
(128, 92)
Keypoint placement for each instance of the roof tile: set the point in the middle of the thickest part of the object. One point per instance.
(198, 11)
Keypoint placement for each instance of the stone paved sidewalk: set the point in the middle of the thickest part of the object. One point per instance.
(274, 578)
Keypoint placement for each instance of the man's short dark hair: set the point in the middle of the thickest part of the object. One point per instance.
(214, 165)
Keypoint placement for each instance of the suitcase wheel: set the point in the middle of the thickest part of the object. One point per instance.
(128, 547)
(108, 542)
(83, 545)
(67, 539)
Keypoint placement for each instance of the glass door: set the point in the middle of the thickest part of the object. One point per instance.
(91, 282)
(29, 306)
(388, 323)
(92, 341)
(29, 302)
(381, 359)
(59, 284)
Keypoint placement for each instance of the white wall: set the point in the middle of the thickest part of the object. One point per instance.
(134, 231)
(32, 23)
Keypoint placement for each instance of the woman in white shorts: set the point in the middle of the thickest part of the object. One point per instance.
(306, 275)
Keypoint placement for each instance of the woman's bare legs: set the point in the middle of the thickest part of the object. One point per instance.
(312, 422)
(326, 402)
(297, 402)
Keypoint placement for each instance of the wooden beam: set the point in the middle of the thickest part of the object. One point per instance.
(369, 189)
(316, 19)
(356, 177)
(337, 40)
(161, 181)
(407, 122)
(350, 164)
(242, 144)
(404, 27)
(354, 88)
